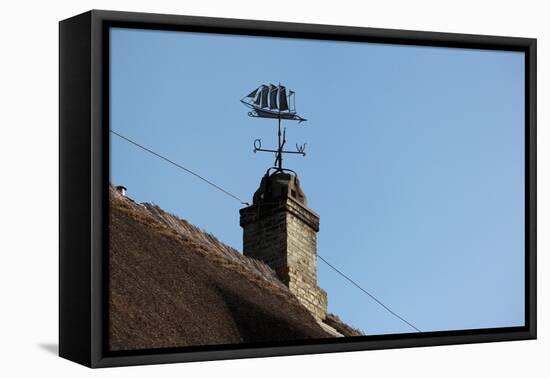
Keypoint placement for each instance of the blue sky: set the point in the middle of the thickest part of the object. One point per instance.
(415, 162)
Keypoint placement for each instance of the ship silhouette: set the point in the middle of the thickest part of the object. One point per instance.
(272, 101)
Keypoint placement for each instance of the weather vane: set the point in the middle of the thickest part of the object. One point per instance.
(272, 101)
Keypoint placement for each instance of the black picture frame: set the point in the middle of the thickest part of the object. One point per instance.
(84, 179)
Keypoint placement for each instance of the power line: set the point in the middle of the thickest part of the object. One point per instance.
(246, 203)
(180, 167)
(369, 294)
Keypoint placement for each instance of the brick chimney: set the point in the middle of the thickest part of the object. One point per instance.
(280, 230)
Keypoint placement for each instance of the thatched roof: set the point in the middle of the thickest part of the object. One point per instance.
(172, 284)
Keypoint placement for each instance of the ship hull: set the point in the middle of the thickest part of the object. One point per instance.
(264, 113)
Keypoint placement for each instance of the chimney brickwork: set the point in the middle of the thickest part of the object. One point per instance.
(280, 230)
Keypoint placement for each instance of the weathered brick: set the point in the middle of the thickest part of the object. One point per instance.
(282, 232)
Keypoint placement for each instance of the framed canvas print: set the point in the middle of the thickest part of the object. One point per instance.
(236, 188)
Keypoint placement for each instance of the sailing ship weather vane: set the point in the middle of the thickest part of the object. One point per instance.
(273, 101)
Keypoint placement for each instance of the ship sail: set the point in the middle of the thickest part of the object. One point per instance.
(272, 97)
(264, 93)
(283, 103)
(258, 98)
(253, 93)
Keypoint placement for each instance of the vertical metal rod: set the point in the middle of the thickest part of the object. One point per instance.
(280, 150)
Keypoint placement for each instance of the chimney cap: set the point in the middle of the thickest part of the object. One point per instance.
(279, 186)
(121, 189)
